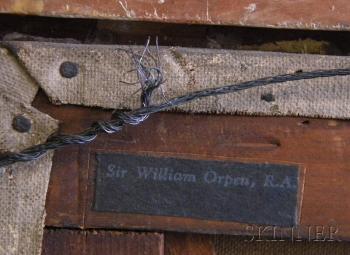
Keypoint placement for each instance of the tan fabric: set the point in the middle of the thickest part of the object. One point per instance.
(23, 189)
(23, 186)
(101, 68)
(14, 80)
(10, 139)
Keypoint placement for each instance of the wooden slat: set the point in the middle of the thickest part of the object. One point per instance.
(229, 245)
(188, 244)
(196, 244)
(57, 242)
(310, 14)
(319, 146)
(74, 242)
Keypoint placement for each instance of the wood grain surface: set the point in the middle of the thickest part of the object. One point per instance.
(307, 14)
(319, 146)
(188, 244)
(79, 242)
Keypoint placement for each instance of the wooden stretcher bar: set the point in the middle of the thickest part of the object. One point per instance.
(308, 14)
(74, 242)
(319, 146)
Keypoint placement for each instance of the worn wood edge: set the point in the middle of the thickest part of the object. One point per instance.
(309, 15)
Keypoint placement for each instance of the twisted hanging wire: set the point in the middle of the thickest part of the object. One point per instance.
(150, 79)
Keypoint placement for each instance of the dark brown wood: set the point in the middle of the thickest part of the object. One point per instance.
(58, 242)
(309, 14)
(188, 244)
(321, 147)
(229, 245)
(74, 242)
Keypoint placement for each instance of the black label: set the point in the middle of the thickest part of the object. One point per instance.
(210, 190)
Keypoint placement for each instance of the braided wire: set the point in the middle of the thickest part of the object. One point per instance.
(150, 79)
